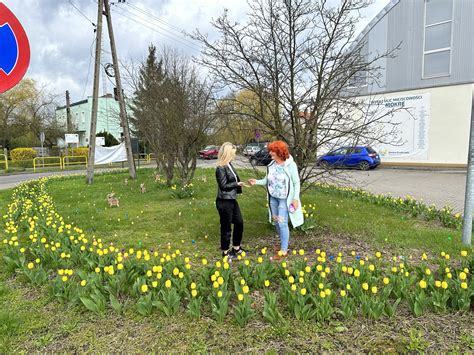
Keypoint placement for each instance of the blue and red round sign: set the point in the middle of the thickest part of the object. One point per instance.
(14, 50)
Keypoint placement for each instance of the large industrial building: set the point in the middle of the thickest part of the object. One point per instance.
(432, 76)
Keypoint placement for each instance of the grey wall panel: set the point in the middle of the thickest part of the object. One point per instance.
(404, 22)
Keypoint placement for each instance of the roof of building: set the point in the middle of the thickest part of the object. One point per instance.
(376, 19)
(106, 96)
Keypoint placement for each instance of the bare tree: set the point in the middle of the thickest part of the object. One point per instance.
(172, 110)
(301, 60)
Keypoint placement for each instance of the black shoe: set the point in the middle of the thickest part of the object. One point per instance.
(229, 255)
(237, 252)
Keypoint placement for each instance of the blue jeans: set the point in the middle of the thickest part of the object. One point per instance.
(279, 211)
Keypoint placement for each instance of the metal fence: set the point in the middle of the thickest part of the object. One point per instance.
(42, 162)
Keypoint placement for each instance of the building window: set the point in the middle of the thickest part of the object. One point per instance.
(437, 38)
(83, 117)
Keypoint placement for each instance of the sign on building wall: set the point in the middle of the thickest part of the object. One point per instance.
(100, 141)
(71, 138)
(411, 117)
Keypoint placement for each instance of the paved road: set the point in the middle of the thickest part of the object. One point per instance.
(442, 188)
(9, 181)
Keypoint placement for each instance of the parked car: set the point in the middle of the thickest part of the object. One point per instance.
(262, 157)
(252, 148)
(360, 157)
(210, 152)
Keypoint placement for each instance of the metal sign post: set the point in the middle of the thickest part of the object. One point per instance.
(42, 149)
(468, 203)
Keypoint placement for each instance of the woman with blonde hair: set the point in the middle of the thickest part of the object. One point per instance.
(228, 186)
(283, 192)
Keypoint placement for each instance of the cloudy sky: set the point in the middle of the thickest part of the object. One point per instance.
(61, 34)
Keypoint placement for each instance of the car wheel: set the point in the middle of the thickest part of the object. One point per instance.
(364, 165)
(253, 162)
(324, 165)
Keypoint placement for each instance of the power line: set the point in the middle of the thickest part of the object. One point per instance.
(83, 15)
(138, 19)
(89, 68)
(136, 8)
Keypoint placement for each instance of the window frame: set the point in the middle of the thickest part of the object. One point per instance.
(438, 50)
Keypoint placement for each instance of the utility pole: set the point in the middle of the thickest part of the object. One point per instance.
(95, 96)
(68, 120)
(123, 115)
(468, 203)
(68, 112)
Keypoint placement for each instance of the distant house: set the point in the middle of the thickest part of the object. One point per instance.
(432, 75)
(107, 117)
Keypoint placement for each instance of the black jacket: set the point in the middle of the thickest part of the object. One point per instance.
(227, 187)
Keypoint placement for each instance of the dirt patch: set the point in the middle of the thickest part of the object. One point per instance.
(332, 243)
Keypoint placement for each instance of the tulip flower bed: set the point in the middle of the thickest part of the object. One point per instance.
(406, 205)
(90, 273)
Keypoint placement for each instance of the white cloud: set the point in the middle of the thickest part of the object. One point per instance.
(61, 38)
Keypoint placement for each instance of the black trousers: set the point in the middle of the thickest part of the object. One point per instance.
(229, 213)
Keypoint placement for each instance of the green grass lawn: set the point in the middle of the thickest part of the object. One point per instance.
(31, 321)
(155, 218)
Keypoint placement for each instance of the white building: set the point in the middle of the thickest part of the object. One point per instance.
(432, 75)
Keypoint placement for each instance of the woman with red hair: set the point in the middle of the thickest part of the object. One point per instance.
(283, 192)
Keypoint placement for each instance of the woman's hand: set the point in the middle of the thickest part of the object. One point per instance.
(241, 183)
(251, 182)
(295, 204)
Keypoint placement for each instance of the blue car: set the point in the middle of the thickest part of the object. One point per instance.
(360, 157)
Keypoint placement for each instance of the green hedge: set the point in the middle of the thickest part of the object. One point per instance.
(23, 154)
(79, 152)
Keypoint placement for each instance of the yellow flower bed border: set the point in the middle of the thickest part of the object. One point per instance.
(407, 204)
